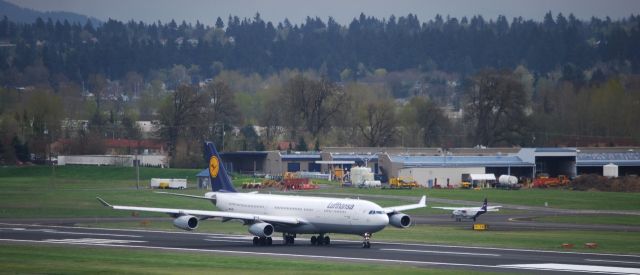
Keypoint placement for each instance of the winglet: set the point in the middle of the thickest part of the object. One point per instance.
(423, 201)
(104, 202)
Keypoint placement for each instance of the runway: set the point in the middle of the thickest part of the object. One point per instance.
(421, 255)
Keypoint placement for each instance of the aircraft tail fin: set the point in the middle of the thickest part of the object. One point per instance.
(220, 180)
(484, 205)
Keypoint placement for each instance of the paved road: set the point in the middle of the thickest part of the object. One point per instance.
(421, 255)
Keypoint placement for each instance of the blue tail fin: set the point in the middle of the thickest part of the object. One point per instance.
(220, 180)
(484, 205)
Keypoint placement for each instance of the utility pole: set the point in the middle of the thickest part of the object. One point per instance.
(137, 163)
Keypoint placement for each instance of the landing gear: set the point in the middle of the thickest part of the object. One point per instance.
(288, 239)
(320, 240)
(262, 241)
(365, 242)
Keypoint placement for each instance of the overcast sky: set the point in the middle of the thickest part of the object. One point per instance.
(343, 11)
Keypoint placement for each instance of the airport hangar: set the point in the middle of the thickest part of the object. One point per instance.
(436, 166)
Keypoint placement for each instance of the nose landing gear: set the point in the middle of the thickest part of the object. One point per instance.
(365, 242)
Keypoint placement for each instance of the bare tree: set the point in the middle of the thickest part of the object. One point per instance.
(181, 109)
(312, 102)
(495, 110)
(376, 123)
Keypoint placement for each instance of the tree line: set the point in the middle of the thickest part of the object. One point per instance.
(46, 50)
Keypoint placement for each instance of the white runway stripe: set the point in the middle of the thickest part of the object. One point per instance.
(92, 241)
(576, 268)
(440, 252)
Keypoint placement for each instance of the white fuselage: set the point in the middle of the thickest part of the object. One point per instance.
(465, 213)
(317, 214)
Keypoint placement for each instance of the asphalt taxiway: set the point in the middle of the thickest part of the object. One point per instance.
(422, 255)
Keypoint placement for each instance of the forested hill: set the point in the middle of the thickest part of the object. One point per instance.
(24, 15)
(455, 45)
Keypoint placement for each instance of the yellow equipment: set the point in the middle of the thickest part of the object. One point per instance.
(403, 182)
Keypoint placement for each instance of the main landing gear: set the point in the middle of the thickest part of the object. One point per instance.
(365, 242)
(262, 241)
(320, 240)
(288, 239)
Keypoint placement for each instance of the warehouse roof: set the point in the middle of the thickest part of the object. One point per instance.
(302, 156)
(460, 161)
(355, 157)
(603, 158)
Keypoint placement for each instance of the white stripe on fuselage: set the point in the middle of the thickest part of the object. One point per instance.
(326, 214)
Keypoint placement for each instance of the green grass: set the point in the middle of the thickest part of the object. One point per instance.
(593, 219)
(555, 198)
(54, 259)
(78, 172)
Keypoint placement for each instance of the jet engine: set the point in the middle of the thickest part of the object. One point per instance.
(186, 222)
(400, 220)
(261, 229)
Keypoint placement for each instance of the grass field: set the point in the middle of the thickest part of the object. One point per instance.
(52, 259)
(593, 219)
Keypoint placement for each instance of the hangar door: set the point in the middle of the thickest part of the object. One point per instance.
(293, 167)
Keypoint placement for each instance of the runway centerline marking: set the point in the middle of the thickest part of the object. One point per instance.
(440, 252)
(611, 261)
(391, 243)
(226, 241)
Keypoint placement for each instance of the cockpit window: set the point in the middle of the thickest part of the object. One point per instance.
(374, 212)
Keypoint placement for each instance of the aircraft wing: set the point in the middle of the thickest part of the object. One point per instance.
(448, 208)
(394, 209)
(209, 214)
(493, 208)
(185, 195)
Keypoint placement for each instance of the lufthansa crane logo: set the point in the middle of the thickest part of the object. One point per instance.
(214, 166)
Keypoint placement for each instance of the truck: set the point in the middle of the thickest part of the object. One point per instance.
(402, 183)
(169, 183)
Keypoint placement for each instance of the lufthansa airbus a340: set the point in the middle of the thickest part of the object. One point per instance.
(288, 214)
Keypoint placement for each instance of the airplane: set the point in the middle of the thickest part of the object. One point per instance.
(470, 212)
(288, 214)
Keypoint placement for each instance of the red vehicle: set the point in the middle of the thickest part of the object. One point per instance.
(299, 184)
(544, 181)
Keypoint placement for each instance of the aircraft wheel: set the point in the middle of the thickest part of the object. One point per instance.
(314, 240)
(269, 241)
(256, 240)
(263, 241)
(320, 240)
(327, 240)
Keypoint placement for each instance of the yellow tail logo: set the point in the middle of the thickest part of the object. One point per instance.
(214, 166)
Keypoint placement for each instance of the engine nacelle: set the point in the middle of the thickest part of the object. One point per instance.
(262, 229)
(400, 220)
(186, 222)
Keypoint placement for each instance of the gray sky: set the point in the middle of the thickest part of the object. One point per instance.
(342, 11)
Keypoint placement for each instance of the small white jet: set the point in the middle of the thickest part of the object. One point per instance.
(473, 213)
(291, 215)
